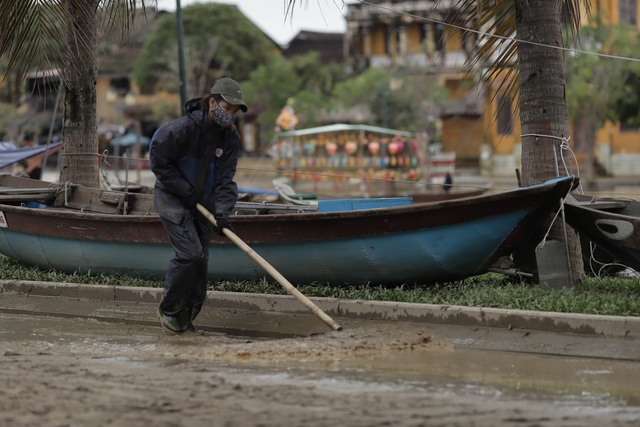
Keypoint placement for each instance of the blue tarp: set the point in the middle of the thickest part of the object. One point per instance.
(9, 156)
(253, 190)
(129, 139)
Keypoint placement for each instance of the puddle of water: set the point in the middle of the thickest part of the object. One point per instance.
(579, 382)
(590, 379)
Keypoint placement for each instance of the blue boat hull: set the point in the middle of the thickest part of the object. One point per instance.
(427, 243)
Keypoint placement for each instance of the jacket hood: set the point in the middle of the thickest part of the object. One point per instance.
(194, 112)
(192, 105)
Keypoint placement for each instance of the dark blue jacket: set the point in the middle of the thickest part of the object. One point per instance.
(192, 157)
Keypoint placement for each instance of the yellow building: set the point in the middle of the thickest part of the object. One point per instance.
(617, 147)
(481, 126)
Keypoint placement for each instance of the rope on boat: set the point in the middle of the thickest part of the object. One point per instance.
(66, 193)
(544, 239)
(564, 145)
(80, 154)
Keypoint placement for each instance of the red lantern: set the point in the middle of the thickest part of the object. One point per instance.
(331, 148)
(393, 148)
(374, 147)
(350, 147)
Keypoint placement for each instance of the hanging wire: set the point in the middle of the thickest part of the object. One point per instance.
(482, 33)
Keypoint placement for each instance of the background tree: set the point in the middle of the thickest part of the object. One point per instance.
(34, 33)
(395, 99)
(600, 88)
(626, 108)
(304, 78)
(324, 93)
(268, 88)
(219, 40)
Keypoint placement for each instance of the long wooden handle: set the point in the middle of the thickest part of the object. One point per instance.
(276, 275)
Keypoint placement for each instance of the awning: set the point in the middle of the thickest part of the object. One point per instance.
(14, 155)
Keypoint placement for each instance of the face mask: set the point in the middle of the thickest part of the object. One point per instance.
(221, 118)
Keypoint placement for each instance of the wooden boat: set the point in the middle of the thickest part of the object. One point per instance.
(73, 229)
(613, 224)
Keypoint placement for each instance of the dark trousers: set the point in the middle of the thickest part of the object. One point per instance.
(185, 287)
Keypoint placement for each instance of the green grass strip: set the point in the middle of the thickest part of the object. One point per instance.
(617, 296)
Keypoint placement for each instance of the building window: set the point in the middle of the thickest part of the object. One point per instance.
(121, 86)
(505, 116)
(627, 11)
(439, 37)
(387, 41)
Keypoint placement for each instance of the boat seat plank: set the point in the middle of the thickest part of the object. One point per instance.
(595, 202)
(29, 191)
(92, 200)
(602, 204)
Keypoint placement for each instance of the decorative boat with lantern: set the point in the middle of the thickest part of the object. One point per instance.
(362, 160)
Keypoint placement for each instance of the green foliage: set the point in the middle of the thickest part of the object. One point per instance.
(323, 93)
(627, 107)
(397, 100)
(304, 79)
(607, 296)
(270, 85)
(317, 76)
(36, 34)
(598, 84)
(310, 107)
(363, 88)
(218, 39)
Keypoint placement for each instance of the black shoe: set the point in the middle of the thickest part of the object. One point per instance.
(190, 328)
(170, 323)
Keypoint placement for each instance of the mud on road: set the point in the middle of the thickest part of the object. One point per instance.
(75, 362)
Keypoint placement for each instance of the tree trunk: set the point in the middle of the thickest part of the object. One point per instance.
(543, 108)
(79, 161)
(583, 146)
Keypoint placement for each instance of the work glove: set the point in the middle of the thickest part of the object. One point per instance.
(191, 200)
(222, 223)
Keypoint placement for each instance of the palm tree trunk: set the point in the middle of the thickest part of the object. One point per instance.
(79, 163)
(543, 108)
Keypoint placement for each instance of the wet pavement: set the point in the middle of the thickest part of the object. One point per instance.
(98, 361)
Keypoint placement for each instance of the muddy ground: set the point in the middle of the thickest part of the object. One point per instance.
(72, 362)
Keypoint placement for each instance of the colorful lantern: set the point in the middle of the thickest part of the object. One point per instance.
(350, 147)
(331, 148)
(393, 148)
(374, 147)
(309, 148)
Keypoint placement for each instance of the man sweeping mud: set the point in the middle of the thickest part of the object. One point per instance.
(194, 159)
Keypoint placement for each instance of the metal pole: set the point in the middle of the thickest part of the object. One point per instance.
(564, 221)
(53, 123)
(183, 80)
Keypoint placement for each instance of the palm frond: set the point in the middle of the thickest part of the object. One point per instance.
(495, 22)
(42, 35)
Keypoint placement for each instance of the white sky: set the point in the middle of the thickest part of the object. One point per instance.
(269, 15)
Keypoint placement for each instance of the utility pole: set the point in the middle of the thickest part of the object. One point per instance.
(183, 79)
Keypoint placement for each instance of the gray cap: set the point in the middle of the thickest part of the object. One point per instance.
(229, 90)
